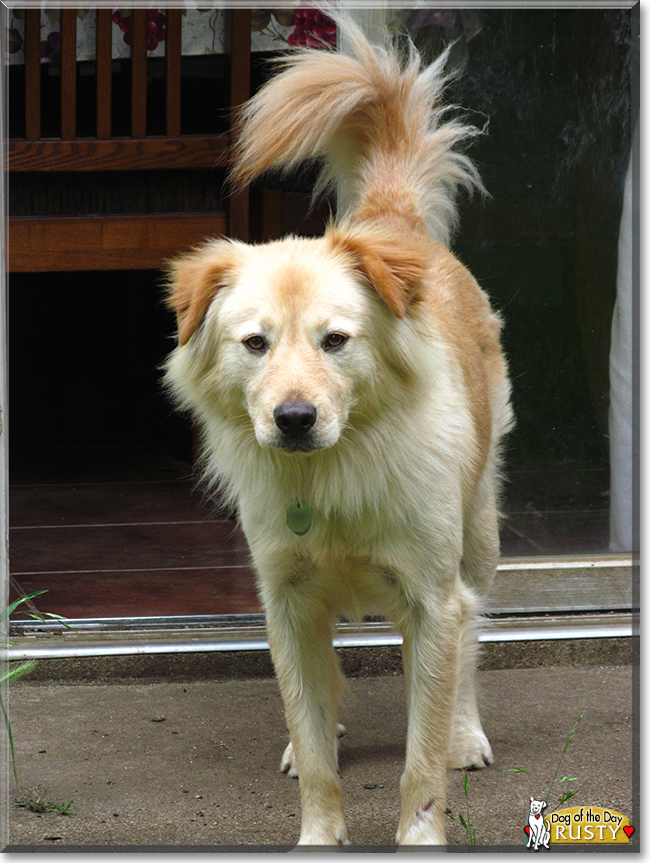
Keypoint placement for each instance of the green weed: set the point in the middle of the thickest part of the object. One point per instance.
(465, 820)
(13, 671)
(569, 794)
(35, 800)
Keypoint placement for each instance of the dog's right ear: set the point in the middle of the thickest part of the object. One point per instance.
(194, 279)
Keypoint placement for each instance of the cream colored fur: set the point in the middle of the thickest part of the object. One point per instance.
(401, 464)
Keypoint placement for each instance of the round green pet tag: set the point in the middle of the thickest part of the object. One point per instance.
(298, 518)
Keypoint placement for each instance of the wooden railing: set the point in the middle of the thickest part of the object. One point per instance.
(40, 242)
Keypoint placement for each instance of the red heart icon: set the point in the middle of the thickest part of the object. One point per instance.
(527, 829)
(629, 830)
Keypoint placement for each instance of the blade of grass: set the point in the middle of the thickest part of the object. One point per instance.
(16, 671)
(35, 615)
(568, 796)
(471, 834)
(9, 610)
(12, 674)
(566, 746)
(43, 614)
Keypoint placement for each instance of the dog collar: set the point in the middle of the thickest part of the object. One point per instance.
(298, 518)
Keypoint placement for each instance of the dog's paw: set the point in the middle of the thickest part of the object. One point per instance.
(469, 749)
(288, 763)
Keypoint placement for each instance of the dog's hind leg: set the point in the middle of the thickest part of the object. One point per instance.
(481, 538)
(469, 746)
(300, 636)
(429, 627)
(288, 763)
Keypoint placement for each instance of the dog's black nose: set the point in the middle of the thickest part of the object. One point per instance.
(295, 419)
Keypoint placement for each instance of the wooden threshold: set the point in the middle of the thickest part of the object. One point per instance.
(140, 242)
(116, 154)
(565, 583)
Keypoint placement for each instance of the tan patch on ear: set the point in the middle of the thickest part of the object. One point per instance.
(393, 257)
(193, 281)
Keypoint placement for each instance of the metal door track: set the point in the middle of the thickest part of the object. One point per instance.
(182, 635)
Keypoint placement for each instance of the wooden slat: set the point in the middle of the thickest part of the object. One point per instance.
(173, 73)
(68, 74)
(104, 61)
(240, 56)
(118, 154)
(138, 73)
(105, 242)
(239, 46)
(32, 74)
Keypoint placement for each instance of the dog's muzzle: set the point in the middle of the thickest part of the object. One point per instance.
(295, 420)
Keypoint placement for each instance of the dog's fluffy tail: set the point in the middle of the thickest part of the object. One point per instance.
(375, 118)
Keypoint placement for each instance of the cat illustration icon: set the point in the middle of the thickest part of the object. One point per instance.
(538, 829)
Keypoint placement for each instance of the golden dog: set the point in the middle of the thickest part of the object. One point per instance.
(352, 393)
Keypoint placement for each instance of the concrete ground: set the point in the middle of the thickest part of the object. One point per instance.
(193, 764)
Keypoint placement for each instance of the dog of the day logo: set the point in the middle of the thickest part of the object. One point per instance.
(579, 825)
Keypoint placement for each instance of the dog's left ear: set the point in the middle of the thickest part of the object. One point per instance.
(393, 261)
(193, 281)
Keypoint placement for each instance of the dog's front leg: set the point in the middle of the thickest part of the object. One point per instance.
(430, 630)
(300, 636)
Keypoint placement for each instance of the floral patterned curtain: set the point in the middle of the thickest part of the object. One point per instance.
(203, 31)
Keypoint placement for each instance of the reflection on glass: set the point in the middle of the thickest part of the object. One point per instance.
(553, 90)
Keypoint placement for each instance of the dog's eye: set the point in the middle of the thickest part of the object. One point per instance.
(334, 340)
(257, 344)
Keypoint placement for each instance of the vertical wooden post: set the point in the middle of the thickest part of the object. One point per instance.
(104, 65)
(68, 74)
(173, 73)
(239, 45)
(138, 73)
(32, 74)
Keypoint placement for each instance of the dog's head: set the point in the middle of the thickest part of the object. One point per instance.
(537, 806)
(289, 334)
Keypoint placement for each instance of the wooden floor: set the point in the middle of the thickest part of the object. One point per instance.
(125, 533)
